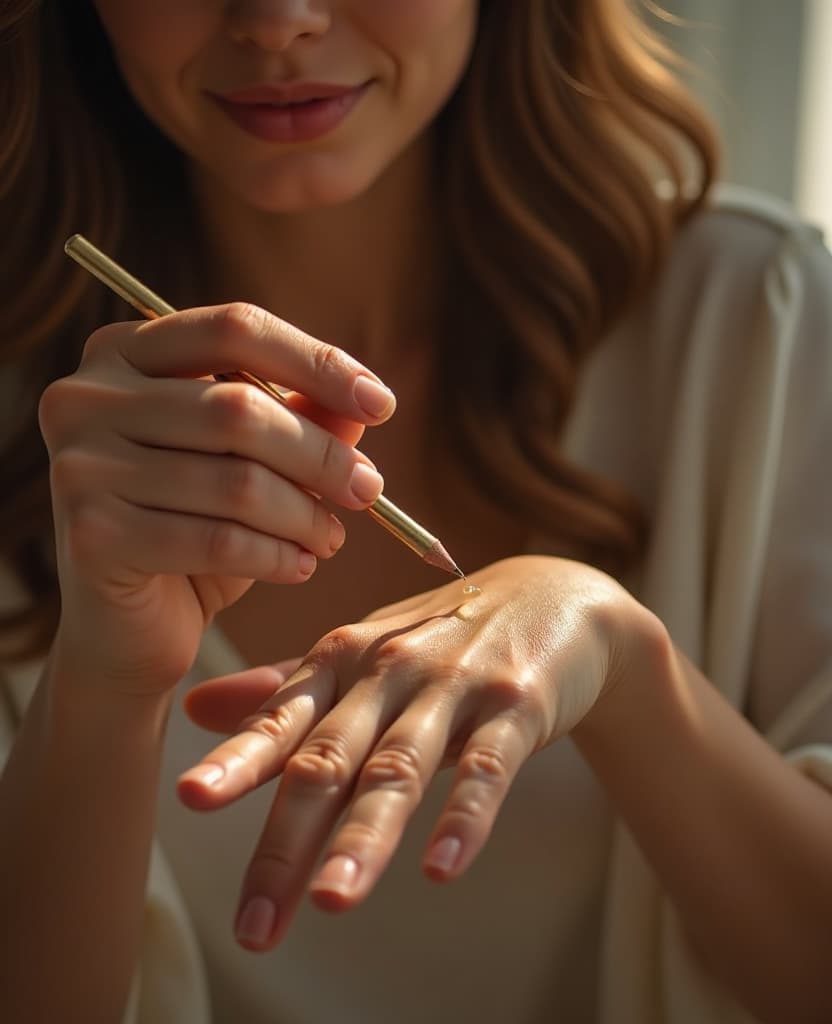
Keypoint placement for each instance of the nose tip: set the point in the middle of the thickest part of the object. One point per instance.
(274, 25)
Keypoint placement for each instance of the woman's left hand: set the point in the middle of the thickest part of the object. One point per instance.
(368, 717)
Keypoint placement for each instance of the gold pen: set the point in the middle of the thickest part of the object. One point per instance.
(148, 303)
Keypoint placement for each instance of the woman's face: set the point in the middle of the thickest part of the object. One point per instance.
(291, 103)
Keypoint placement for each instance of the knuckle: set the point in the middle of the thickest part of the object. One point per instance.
(343, 640)
(398, 766)
(510, 692)
(241, 483)
(269, 860)
(63, 402)
(101, 340)
(87, 532)
(320, 525)
(274, 724)
(222, 541)
(49, 406)
(236, 409)
(485, 763)
(68, 469)
(329, 454)
(285, 556)
(362, 835)
(241, 319)
(322, 763)
(398, 647)
(326, 359)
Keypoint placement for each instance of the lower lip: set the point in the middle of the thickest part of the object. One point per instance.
(300, 122)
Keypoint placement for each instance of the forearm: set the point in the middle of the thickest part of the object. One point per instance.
(77, 803)
(740, 839)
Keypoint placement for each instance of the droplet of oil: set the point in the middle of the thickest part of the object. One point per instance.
(471, 588)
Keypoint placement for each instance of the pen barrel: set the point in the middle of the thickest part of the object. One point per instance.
(405, 529)
(130, 288)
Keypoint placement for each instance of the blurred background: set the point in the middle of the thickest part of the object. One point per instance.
(763, 69)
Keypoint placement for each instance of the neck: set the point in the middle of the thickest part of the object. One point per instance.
(363, 275)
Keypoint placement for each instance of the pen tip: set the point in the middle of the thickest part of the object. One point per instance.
(437, 556)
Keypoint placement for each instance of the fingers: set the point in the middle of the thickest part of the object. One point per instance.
(221, 704)
(346, 430)
(316, 784)
(390, 786)
(222, 339)
(384, 780)
(122, 545)
(227, 488)
(212, 418)
(238, 418)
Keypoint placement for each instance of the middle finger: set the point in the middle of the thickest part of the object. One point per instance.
(235, 417)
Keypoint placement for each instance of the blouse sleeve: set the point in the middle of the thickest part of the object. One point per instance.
(790, 686)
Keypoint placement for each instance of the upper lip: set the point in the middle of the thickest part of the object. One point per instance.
(290, 92)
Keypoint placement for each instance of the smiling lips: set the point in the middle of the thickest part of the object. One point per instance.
(298, 112)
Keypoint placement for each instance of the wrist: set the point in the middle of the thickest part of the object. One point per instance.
(81, 698)
(644, 679)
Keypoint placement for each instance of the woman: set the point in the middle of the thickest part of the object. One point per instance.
(612, 409)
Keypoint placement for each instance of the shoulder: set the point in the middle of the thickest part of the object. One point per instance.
(746, 273)
(742, 235)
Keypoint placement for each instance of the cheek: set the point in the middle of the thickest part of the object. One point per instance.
(428, 43)
(153, 40)
(428, 38)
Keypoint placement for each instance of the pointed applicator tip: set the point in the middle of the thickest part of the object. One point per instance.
(437, 556)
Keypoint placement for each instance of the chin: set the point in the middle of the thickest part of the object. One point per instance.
(295, 191)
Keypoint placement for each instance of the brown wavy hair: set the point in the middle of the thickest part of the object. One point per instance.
(550, 152)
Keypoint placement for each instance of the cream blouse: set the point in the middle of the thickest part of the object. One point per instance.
(713, 404)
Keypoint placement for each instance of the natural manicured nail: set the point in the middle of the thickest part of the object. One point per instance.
(339, 873)
(337, 534)
(255, 923)
(444, 854)
(374, 398)
(206, 775)
(365, 483)
(306, 563)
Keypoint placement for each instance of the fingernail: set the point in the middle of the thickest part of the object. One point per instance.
(374, 398)
(365, 483)
(306, 563)
(444, 854)
(210, 775)
(255, 922)
(339, 872)
(337, 534)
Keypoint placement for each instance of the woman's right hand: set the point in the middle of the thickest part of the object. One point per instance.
(173, 493)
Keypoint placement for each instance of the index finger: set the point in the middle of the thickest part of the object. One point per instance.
(222, 339)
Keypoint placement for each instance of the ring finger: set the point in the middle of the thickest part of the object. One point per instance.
(230, 488)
